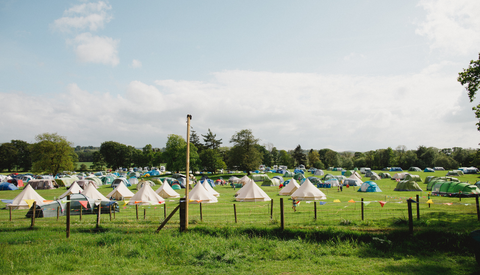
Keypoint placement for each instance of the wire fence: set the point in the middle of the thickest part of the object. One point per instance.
(267, 214)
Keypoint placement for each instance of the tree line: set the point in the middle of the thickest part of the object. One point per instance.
(52, 154)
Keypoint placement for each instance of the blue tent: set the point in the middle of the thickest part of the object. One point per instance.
(428, 170)
(396, 169)
(369, 186)
(7, 186)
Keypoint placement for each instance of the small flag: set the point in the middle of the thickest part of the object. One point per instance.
(430, 201)
(351, 200)
(29, 202)
(83, 203)
(336, 200)
(382, 203)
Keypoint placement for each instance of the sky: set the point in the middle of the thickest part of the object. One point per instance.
(345, 75)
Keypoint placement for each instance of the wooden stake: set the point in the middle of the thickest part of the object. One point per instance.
(235, 212)
(34, 206)
(144, 213)
(10, 210)
(282, 216)
(315, 209)
(68, 216)
(110, 211)
(418, 207)
(58, 212)
(164, 210)
(136, 210)
(201, 212)
(98, 214)
(363, 215)
(271, 209)
(410, 216)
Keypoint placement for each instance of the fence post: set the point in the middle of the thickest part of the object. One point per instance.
(81, 212)
(271, 209)
(235, 211)
(201, 212)
(144, 213)
(110, 211)
(165, 210)
(410, 216)
(10, 210)
(362, 210)
(478, 208)
(315, 209)
(98, 214)
(58, 212)
(68, 216)
(34, 206)
(136, 210)
(418, 207)
(282, 216)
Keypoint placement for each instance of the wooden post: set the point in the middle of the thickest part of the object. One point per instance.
(110, 211)
(98, 214)
(363, 215)
(58, 212)
(418, 207)
(34, 206)
(165, 211)
(271, 209)
(136, 210)
(167, 219)
(410, 216)
(235, 212)
(114, 210)
(282, 216)
(10, 210)
(478, 208)
(81, 210)
(184, 224)
(144, 213)
(68, 216)
(315, 209)
(201, 212)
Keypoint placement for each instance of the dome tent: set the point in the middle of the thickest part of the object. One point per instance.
(369, 186)
(407, 185)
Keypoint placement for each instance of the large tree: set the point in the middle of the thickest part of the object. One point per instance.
(244, 155)
(212, 160)
(116, 154)
(24, 160)
(173, 155)
(299, 155)
(471, 78)
(8, 156)
(53, 153)
(210, 140)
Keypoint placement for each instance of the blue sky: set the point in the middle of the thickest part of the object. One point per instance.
(344, 75)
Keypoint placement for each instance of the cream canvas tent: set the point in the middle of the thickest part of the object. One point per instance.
(291, 187)
(165, 191)
(146, 196)
(308, 192)
(120, 192)
(209, 188)
(252, 192)
(243, 180)
(74, 189)
(19, 202)
(142, 182)
(200, 195)
(92, 192)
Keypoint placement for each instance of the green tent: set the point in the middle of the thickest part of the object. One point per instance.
(288, 174)
(259, 177)
(348, 173)
(450, 188)
(385, 175)
(299, 176)
(270, 182)
(328, 176)
(432, 182)
(407, 185)
(66, 181)
(455, 173)
(96, 179)
(413, 177)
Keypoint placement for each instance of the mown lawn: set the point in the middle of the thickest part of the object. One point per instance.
(338, 242)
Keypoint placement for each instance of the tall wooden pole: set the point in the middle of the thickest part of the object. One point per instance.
(68, 216)
(187, 200)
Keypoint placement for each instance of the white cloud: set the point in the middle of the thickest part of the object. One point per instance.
(451, 26)
(92, 16)
(136, 64)
(353, 56)
(95, 49)
(341, 112)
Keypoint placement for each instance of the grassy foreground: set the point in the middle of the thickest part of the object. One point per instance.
(379, 245)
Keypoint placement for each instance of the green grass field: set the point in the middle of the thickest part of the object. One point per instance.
(337, 242)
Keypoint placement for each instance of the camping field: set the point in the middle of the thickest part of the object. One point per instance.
(333, 239)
